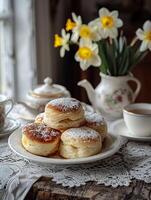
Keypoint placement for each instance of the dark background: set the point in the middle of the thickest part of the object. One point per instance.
(51, 16)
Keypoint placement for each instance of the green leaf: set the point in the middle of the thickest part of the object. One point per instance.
(104, 65)
(110, 50)
(118, 58)
(126, 62)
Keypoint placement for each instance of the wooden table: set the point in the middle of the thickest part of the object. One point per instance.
(46, 189)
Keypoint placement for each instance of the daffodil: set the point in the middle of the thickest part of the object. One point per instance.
(87, 54)
(74, 26)
(70, 25)
(88, 32)
(145, 36)
(107, 23)
(62, 41)
(103, 33)
(80, 30)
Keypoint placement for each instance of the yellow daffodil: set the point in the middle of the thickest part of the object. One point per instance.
(87, 54)
(145, 36)
(62, 41)
(58, 41)
(107, 23)
(70, 25)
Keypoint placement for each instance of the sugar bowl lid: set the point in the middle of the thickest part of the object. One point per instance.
(49, 90)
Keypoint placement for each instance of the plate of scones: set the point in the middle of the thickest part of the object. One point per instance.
(65, 133)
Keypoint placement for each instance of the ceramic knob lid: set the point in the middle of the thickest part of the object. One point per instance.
(48, 81)
(48, 90)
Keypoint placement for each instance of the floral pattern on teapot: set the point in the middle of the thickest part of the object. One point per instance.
(114, 102)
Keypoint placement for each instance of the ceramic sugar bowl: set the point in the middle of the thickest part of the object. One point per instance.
(42, 94)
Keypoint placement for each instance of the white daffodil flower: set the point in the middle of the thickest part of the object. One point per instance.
(62, 42)
(81, 30)
(78, 22)
(107, 23)
(145, 36)
(88, 32)
(87, 54)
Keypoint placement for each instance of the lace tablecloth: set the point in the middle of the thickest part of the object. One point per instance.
(133, 160)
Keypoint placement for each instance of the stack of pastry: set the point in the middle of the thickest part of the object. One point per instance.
(64, 127)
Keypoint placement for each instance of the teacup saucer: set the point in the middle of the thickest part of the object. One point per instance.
(9, 127)
(120, 128)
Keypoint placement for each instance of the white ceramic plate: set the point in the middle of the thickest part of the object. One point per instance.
(9, 127)
(111, 146)
(120, 128)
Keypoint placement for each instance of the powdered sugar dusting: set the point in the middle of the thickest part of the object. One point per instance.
(66, 104)
(83, 133)
(40, 131)
(94, 117)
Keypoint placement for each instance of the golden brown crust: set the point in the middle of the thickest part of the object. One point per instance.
(40, 133)
(96, 121)
(80, 136)
(80, 142)
(61, 109)
(64, 105)
(64, 113)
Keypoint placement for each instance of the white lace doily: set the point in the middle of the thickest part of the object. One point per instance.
(132, 161)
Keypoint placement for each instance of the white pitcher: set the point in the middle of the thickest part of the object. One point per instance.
(112, 94)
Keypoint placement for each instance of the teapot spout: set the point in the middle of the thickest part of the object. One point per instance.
(89, 89)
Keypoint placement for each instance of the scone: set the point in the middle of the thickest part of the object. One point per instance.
(39, 139)
(64, 113)
(96, 121)
(39, 118)
(80, 142)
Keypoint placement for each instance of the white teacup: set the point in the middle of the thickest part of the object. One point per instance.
(137, 118)
(6, 106)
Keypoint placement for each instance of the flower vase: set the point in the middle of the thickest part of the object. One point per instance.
(112, 94)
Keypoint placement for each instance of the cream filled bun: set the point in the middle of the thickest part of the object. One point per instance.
(80, 142)
(96, 121)
(64, 113)
(39, 139)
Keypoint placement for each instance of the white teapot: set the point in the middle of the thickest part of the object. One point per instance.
(37, 99)
(112, 94)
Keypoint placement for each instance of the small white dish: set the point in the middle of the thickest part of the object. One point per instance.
(120, 128)
(9, 127)
(111, 146)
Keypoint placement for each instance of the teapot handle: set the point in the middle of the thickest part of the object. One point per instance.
(138, 86)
